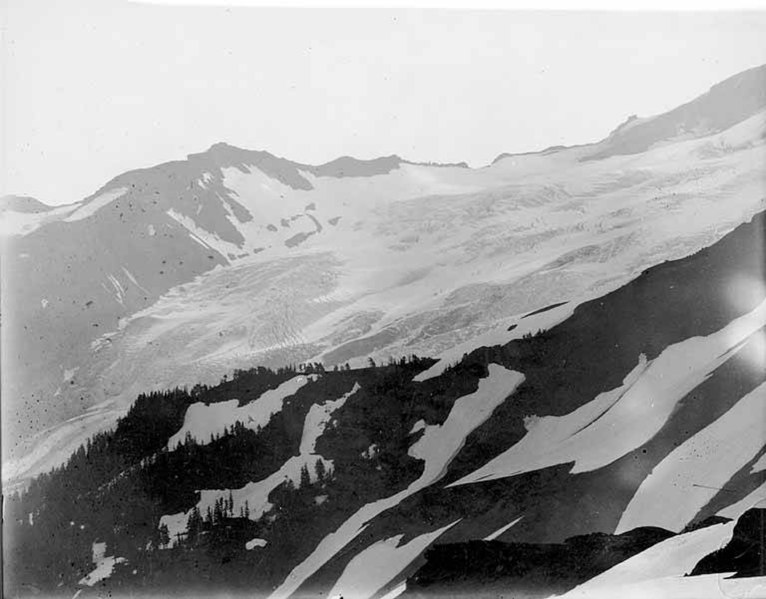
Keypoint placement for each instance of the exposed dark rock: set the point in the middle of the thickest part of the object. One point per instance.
(745, 554)
(526, 569)
(710, 521)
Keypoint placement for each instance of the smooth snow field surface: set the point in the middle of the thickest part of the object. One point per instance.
(661, 569)
(709, 586)
(104, 565)
(203, 420)
(373, 568)
(437, 447)
(712, 457)
(755, 499)
(618, 421)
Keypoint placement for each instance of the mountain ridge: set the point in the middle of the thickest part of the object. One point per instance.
(749, 83)
(291, 264)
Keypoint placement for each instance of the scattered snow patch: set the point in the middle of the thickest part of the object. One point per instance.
(437, 447)
(418, 426)
(253, 543)
(177, 524)
(86, 210)
(202, 236)
(370, 452)
(202, 420)
(104, 565)
(119, 290)
(256, 494)
(133, 279)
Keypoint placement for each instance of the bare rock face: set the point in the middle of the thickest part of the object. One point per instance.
(744, 554)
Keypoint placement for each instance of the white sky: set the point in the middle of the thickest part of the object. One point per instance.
(97, 87)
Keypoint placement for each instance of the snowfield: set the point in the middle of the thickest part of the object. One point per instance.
(619, 421)
(709, 458)
(177, 525)
(661, 568)
(89, 208)
(203, 420)
(428, 260)
(437, 447)
(13, 223)
(254, 543)
(522, 324)
(709, 586)
(372, 569)
(318, 418)
(104, 565)
(755, 499)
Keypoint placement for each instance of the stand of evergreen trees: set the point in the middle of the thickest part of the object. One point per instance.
(118, 484)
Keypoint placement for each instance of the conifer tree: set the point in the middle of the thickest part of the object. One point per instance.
(164, 536)
(321, 472)
(305, 477)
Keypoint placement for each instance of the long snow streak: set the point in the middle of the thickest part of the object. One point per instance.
(709, 586)
(713, 455)
(376, 566)
(89, 209)
(622, 420)
(438, 445)
(501, 531)
(202, 420)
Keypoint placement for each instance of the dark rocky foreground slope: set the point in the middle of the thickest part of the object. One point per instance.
(744, 554)
(495, 569)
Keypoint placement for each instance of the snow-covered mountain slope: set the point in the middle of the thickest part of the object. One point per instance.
(354, 474)
(170, 275)
(709, 113)
(22, 204)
